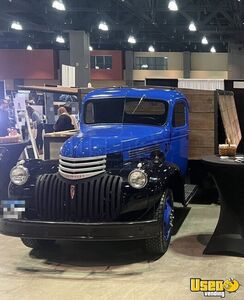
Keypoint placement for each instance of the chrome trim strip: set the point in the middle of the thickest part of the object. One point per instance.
(79, 176)
(138, 151)
(83, 170)
(85, 164)
(80, 159)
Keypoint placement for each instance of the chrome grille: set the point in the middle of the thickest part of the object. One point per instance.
(80, 168)
(93, 200)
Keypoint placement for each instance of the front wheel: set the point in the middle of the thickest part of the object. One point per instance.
(37, 244)
(165, 217)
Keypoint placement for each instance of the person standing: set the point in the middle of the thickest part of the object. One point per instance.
(64, 121)
(4, 118)
(38, 124)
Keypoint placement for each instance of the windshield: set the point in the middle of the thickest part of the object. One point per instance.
(126, 111)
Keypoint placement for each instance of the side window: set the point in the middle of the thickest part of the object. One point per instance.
(179, 115)
(89, 119)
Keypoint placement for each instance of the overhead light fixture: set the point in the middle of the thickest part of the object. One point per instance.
(29, 48)
(103, 26)
(90, 48)
(59, 5)
(204, 40)
(144, 66)
(173, 5)
(151, 48)
(60, 39)
(16, 25)
(192, 27)
(213, 50)
(131, 39)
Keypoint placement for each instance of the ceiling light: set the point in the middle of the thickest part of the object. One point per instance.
(59, 5)
(131, 39)
(60, 39)
(192, 27)
(103, 26)
(204, 40)
(151, 48)
(90, 48)
(144, 66)
(213, 50)
(173, 5)
(16, 26)
(29, 48)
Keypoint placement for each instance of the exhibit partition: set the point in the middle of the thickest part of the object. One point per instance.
(201, 84)
(68, 76)
(195, 84)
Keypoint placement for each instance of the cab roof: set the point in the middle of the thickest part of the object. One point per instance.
(150, 93)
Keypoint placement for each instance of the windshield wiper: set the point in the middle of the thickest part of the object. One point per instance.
(138, 105)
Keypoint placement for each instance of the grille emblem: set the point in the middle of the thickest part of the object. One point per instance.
(72, 191)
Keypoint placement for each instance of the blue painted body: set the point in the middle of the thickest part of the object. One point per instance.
(103, 139)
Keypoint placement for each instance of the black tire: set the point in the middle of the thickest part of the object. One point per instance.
(159, 245)
(37, 244)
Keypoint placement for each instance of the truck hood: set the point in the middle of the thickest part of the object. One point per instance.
(96, 140)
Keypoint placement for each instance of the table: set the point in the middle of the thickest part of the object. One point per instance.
(9, 155)
(228, 237)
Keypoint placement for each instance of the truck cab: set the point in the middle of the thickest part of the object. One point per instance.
(117, 179)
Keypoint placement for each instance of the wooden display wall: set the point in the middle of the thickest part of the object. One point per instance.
(203, 131)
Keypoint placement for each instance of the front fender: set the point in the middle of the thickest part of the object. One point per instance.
(161, 176)
(36, 167)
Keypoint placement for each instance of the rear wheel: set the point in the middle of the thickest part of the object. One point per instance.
(165, 217)
(37, 244)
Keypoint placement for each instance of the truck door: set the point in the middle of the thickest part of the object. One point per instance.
(179, 135)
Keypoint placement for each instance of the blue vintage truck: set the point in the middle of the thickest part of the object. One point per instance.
(117, 179)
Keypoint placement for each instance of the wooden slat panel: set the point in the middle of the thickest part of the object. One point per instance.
(198, 153)
(201, 121)
(201, 138)
(188, 92)
(201, 104)
(230, 118)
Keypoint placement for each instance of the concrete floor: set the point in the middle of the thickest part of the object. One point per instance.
(118, 270)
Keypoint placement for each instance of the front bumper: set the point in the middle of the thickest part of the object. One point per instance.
(80, 231)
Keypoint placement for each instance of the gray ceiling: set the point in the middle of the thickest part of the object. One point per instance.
(149, 20)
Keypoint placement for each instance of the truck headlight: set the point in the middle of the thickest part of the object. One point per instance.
(138, 179)
(19, 175)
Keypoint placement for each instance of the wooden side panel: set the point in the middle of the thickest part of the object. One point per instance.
(201, 139)
(230, 118)
(197, 153)
(202, 122)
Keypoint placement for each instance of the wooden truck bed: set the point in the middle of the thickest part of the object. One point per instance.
(202, 119)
